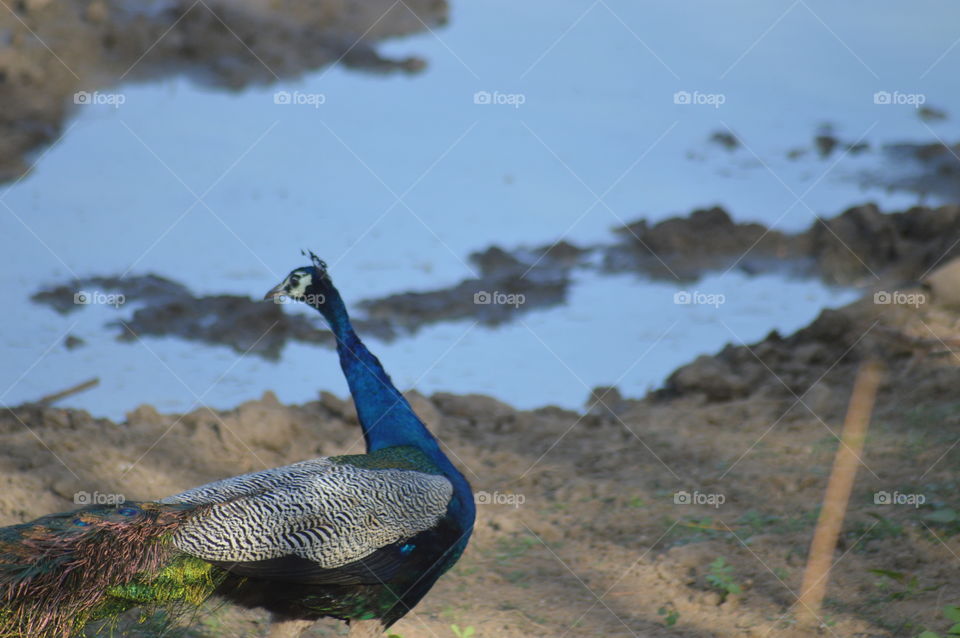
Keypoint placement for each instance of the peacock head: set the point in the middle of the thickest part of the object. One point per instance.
(309, 284)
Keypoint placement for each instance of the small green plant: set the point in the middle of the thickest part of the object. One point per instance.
(953, 615)
(466, 632)
(671, 615)
(509, 549)
(947, 520)
(909, 586)
(865, 532)
(721, 578)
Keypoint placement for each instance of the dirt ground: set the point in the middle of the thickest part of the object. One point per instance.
(579, 532)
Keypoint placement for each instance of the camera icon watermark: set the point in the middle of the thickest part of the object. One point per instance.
(516, 100)
(297, 98)
(697, 298)
(310, 299)
(96, 98)
(884, 497)
(684, 497)
(97, 498)
(916, 100)
(98, 298)
(716, 100)
(898, 298)
(496, 298)
(499, 498)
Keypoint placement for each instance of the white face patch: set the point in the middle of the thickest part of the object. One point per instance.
(296, 284)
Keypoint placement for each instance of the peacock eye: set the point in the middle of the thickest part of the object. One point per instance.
(127, 511)
(79, 522)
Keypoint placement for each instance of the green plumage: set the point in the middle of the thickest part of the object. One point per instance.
(60, 572)
(400, 458)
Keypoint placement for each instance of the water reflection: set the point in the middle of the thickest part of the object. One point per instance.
(67, 54)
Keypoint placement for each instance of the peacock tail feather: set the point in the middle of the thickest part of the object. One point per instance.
(61, 571)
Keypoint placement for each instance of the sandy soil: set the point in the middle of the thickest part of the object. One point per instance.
(582, 534)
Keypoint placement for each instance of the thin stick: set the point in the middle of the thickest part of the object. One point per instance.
(80, 387)
(839, 487)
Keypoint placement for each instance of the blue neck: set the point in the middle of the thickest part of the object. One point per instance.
(386, 418)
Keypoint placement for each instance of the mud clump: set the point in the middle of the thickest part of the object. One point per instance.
(168, 308)
(726, 140)
(776, 365)
(931, 114)
(924, 169)
(708, 239)
(899, 247)
(509, 284)
(862, 244)
(70, 298)
(247, 326)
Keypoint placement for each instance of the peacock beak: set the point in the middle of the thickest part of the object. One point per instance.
(276, 291)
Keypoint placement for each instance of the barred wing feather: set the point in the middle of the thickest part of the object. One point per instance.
(329, 514)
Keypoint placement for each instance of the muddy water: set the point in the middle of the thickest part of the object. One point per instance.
(571, 121)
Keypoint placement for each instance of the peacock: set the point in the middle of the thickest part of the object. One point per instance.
(361, 538)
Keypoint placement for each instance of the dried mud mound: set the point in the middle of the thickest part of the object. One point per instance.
(862, 245)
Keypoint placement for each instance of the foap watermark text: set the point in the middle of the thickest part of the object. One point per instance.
(898, 298)
(899, 98)
(884, 497)
(496, 298)
(97, 98)
(499, 498)
(684, 497)
(298, 98)
(697, 98)
(516, 100)
(698, 298)
(98, 498)
(98, 298)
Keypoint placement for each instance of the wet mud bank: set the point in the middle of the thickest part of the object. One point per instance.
(861, 247)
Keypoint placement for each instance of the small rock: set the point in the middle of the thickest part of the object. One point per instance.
(709, 376)
(270, 399)
(144, 413)
(471, 406)
(97, 12)
(931, 114)
(726, 139)
(825, 144)
(944, 283)
(606, 402)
